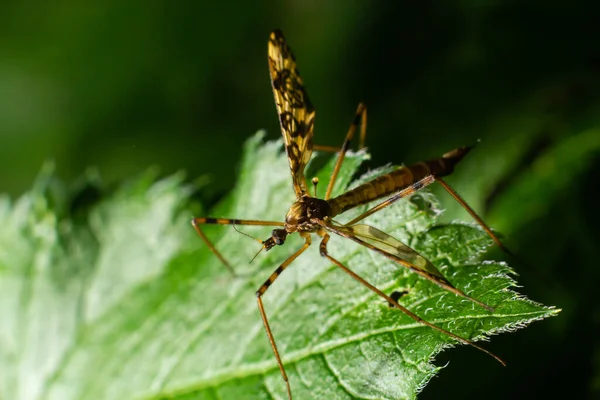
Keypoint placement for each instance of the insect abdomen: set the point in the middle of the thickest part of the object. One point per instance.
(397, 180)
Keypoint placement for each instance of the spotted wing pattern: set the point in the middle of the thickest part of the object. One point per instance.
(296, 113)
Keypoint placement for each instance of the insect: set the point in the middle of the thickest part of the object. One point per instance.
(311, 215)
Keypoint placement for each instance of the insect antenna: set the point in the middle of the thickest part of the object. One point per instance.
(245, 234)
(251, 237)
(257, 253)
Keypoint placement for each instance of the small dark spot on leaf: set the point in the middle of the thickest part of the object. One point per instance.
(396, 295)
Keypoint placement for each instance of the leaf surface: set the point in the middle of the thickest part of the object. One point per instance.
(130, 304)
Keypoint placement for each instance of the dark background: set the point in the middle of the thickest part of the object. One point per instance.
(126, 85)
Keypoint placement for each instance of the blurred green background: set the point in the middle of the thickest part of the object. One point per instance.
(125, 85)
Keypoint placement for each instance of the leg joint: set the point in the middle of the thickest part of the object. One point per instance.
(323, 249)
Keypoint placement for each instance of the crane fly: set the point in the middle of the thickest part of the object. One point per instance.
(309, 215)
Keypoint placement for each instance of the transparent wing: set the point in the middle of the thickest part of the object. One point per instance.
(392, 248)
(296, 113)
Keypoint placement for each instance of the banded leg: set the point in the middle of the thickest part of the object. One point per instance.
(394, 302)
(361, 115)
(196, 222)
(261, 308)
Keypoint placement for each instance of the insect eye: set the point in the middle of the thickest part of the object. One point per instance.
(278, 236)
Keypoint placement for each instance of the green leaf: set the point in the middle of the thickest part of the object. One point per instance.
(128, 303)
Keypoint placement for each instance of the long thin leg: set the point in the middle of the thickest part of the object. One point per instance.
(543, 275)
(390, 300)
(196, 222)
(261, 308)
(476, 217)
(361, 115)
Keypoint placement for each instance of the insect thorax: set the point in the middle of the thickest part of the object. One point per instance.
(301, 213)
